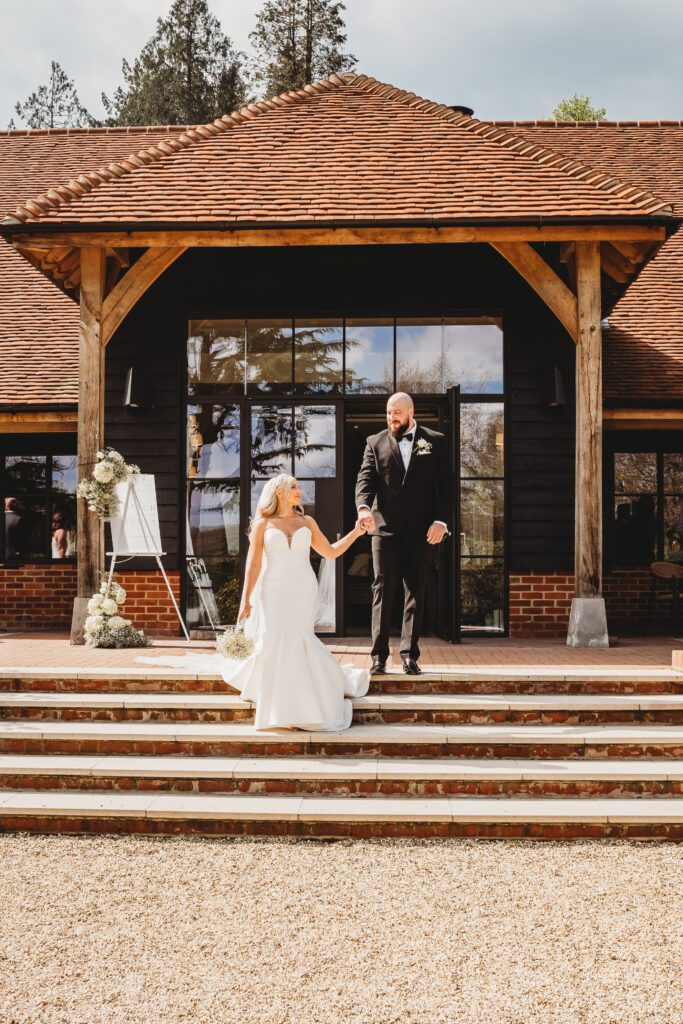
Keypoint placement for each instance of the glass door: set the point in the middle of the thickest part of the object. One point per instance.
(449, 556)
(300, 438)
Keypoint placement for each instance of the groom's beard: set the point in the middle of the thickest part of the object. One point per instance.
(398, 432)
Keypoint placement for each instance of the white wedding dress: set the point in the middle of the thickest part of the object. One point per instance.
(292, 677)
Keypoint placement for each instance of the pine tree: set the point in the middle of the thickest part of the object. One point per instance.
(578, 108)
(55, 105)
(187, 73)
(297, 42)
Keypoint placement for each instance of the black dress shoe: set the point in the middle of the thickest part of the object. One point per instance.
(411, 667)
(379, 667)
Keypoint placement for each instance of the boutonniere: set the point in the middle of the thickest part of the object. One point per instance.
(423, 447)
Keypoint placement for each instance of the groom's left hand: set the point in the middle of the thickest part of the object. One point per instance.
(436, 533)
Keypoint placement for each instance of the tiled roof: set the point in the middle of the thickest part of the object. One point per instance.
(644, 343)
(38, 322)
(644, 347)
(347, 149)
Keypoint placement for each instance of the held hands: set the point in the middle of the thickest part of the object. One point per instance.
(361, 526)
(366, 520)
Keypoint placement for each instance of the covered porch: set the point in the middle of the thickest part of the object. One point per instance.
(575, 236)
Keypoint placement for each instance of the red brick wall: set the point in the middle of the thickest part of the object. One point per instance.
(540, 603)
(40, 597)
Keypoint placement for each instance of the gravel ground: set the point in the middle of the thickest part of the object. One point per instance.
(133, 930)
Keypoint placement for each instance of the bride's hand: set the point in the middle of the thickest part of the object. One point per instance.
(361, 527)
(244, 612)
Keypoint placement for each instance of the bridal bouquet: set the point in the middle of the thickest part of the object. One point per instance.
(99, 490)
(104, 627)
(234, 643)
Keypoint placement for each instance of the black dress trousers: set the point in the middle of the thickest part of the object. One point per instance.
(401, 557)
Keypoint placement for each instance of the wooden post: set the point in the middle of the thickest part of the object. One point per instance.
(588, 485)
(90, 531)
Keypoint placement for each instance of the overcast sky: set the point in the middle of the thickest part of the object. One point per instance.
(505, 58)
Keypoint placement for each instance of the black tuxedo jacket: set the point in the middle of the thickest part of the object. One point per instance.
(412, 499)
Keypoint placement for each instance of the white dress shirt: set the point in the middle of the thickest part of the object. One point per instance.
(405, 447)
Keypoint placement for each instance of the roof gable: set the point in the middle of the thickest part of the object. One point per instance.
(348, 149)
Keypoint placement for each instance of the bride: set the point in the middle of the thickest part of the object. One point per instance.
(293, 678)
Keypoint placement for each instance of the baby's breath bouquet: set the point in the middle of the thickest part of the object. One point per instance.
(234, 643)
(104, 627)
(99, 490)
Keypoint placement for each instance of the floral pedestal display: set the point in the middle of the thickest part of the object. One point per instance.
(96, 621)
(105, 627)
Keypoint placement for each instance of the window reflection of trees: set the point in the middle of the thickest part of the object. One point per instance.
(318, 356)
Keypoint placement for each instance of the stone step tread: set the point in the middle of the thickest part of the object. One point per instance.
(543, 673)
(641, 733)
(371, 702)
(344, 768)
(309, 808)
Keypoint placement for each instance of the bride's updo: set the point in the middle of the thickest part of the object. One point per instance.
(268, 501)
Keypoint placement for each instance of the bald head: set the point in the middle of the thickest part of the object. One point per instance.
(399, 413)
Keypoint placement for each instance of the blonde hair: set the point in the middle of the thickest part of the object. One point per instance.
(268, 503)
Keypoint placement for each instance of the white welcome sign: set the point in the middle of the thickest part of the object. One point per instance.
(135, 528)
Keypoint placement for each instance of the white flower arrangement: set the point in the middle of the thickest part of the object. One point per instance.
(104, 627)
(234, 643)
(99, 490)
(423, 447)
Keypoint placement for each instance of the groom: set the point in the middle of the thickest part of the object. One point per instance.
(404, 495)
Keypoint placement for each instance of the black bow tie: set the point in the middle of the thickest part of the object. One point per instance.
(407, 437)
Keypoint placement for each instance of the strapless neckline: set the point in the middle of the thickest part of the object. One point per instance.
(286, 536)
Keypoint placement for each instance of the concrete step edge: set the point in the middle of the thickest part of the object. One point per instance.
(14, 804)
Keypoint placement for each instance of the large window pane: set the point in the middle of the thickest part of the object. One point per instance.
(64, 481)
(215, 355)
(482, 590)
(25, 474)
(419, 356)
(25, 518)
(318, 350)
(635, 529)
(213, 592)
(271, 440)
(473, 356)
(316, 452)
(481, 525)
(673, 528)
(213, 519)
(673, 472)
(369, 356)
(482, 439)
(635, 473)
(269, 355)
(213, 440)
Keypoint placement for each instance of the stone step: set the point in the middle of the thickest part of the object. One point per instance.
(310, 815)
(425, 708)
(429, 740)
(360, 776)
(471, 680)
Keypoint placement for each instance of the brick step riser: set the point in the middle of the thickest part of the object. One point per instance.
(421, 789)
(399, 685)
(360, 716)
(341, 830)
(246, 748)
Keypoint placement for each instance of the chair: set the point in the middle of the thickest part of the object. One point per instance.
(672, 573)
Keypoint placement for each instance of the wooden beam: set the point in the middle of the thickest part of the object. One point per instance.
(627, 266)
(588, 479)
(543, 279)
(133, 286)
(633, 253)
(90, 532)
(38, 422)
(643, 419)
(612, 268)
(343, 235)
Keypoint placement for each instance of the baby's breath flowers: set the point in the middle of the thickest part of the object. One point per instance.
(104, 627)
(234, 643)
(100, 489)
